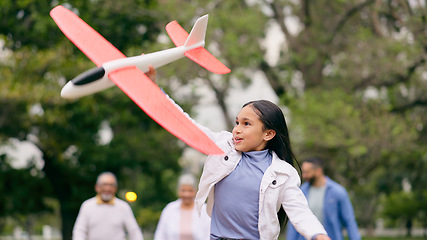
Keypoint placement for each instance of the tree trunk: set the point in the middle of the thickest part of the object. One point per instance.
(29, 224)
(68, 217)
(62, 191)
(408, 227)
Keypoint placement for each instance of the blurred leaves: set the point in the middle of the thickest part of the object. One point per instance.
(39, 60)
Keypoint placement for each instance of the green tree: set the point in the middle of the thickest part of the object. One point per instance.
(23, 193)
(359, 141)
(401, 206)
(361, 65)
(37, 59)
(352, 76)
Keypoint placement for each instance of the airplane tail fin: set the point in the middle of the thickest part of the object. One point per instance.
(200, 55)
(198, 33)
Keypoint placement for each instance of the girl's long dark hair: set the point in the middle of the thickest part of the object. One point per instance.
(272, 117)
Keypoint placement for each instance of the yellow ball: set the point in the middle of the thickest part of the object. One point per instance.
(131, 196)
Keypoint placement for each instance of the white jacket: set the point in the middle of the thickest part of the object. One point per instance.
(169, 223)
(279, 187)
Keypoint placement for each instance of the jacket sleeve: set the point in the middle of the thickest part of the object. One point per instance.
(296, 207)
(347, 217)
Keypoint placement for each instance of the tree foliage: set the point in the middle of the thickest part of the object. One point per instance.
(37, 61)
(362, 104)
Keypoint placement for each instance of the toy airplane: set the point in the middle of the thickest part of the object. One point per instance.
(128, 73)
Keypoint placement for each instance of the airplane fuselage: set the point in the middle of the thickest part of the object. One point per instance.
(96, 79)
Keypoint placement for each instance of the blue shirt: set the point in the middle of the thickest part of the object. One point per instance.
(337, 213)
(235, 211)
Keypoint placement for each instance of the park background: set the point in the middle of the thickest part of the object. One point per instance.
(350, 76)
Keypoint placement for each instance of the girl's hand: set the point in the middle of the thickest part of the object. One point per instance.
(151, 73)
(322, 237)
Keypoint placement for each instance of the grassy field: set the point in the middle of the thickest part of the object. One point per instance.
(395, 238)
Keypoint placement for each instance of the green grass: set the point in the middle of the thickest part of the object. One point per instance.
(392, 238)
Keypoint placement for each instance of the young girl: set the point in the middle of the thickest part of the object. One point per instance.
(248, 185)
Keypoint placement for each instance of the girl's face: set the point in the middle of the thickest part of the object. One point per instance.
(249, 133)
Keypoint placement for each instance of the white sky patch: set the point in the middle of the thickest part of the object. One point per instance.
(403, 90)
(417, 3)
(141, 29)
(105, 133)
(275, 40)
(370, 93)
(292, 22)
(404, 34)
(163, 38)
(406, 185)
(36, 110)
(5, 54)
(424, 76)
(272, 43)
(297, 82)
(21, 152)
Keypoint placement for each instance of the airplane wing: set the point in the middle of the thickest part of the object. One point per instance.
(133, 82)
(177, 34)
(199, 55)
(89, 41)
(148, 96)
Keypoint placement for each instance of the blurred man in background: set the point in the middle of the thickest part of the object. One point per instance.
(105, 216)
(328, 200)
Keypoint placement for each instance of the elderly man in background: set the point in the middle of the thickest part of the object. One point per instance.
(105, 216)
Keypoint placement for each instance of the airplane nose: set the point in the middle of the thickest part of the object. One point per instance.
(67, 91)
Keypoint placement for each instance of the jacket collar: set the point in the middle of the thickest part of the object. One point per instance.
(279, 166)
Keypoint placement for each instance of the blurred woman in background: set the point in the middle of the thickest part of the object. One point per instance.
(179, 219)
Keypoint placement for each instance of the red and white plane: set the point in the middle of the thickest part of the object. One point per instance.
(114, 68)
